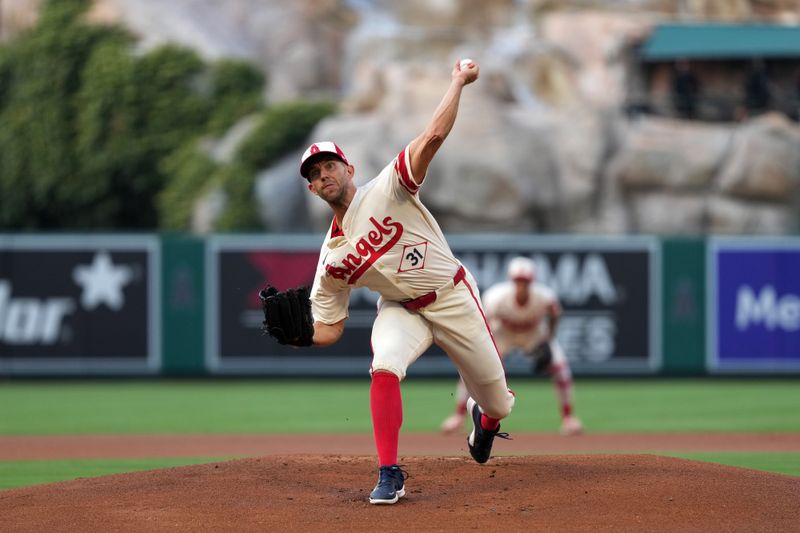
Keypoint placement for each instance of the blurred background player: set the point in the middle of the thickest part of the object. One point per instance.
(524, 315)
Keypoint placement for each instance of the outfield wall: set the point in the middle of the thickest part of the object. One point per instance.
(179, 305)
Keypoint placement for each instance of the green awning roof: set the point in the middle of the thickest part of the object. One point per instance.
(721, 41)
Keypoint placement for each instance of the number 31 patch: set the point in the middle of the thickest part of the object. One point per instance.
(413, 257)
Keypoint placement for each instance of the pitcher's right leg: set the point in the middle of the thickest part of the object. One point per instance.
(398, 339)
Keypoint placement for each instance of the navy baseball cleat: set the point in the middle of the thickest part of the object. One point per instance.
(480, 440)
(390, 487)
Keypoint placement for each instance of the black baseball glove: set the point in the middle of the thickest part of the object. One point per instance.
(287, 315)
(542, 357)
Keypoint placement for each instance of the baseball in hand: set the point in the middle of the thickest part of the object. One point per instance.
(464, 63)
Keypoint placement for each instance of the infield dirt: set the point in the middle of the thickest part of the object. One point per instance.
(255, 445)
(290, 486)
(328, 493)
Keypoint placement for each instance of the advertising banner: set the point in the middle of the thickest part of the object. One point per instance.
(79, 304)
(608, 288)
(754, 312)
(238, 267)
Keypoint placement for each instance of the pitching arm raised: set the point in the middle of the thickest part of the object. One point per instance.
(424, 147)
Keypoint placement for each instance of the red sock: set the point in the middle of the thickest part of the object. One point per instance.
(387, 415)
(488, 423)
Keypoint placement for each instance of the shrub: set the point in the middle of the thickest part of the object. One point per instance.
(95, 136)
(240, 211)
(191, 173)
(236, 91)
(42, 73)
(282, 128)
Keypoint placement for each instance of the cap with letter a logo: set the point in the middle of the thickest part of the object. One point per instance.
(316, 150)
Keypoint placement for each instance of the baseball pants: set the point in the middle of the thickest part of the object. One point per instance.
(455, 322)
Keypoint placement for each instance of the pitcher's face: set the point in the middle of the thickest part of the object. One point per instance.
(329, 179)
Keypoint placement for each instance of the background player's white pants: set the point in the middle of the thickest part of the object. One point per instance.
(506, 348)
(559, 369)
(508, 341)
(456, 323)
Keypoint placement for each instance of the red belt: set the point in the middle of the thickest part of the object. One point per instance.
(429, 298)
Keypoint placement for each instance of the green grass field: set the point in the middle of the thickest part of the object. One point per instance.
(24, 473)
(308, 406)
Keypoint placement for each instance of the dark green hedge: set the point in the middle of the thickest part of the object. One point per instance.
(281, 128)
(95, 136)
(278, 130)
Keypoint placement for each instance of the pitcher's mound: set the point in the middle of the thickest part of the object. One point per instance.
(315, 493)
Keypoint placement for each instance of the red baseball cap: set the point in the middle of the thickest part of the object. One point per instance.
(315, 151)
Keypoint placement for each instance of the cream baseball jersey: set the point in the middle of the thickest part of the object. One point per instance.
(388, 242)
(506, 315)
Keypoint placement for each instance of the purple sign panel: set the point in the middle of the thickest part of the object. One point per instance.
(755, 312)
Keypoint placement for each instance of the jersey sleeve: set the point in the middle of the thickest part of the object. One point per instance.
(397, 178)
(330, 299)
(402, 167)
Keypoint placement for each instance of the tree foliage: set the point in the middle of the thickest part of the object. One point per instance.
(42, 74)
(96, 136)
(281, 128)
(191, 175)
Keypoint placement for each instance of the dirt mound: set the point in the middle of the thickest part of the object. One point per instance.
(315, 492)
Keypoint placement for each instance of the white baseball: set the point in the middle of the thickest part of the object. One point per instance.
(464, 63)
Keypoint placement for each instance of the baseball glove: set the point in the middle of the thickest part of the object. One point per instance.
(542, 357)
(287, 315)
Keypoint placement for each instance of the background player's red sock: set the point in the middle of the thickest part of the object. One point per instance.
(562, 377)
(386, 405)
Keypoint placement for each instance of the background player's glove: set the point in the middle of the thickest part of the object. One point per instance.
(287, 315)
(542, 357)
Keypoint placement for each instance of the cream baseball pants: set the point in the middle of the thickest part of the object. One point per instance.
(455, 321)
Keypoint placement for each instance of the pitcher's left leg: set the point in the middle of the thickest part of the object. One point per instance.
(461, 329)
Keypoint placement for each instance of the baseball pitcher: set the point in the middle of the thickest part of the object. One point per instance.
(383, 237)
